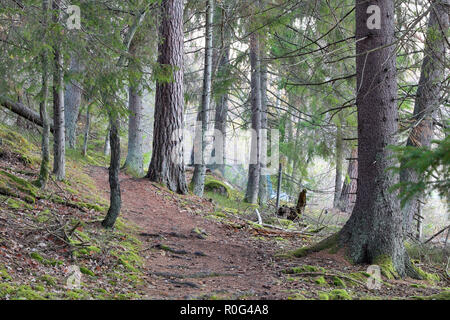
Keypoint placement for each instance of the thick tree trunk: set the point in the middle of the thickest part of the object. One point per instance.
(427, 97)
(72, 102)
(251, 195)
(59, 160)
(114, 171)
(167, 165)
(45, 149)
(373, 233)
(198, 179)
(339, 156)
(349, 188)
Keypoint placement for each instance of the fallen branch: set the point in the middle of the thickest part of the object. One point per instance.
(23, 111)
(270, 226)
(437, 234)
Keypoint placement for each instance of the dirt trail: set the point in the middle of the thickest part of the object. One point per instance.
(225, 263)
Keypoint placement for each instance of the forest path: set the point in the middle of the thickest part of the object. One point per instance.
(180, 263)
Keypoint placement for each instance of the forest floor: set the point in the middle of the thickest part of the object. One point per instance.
(193, 253)
(164, 246)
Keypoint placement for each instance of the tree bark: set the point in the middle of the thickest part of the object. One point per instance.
(339, 156)
(222, 60)
(373, 234)
(198, 179)
(167, 164)
(262, 192)
(45, 149)
(349, 188)
(114, 171)
(107, 144)
(135, 159)
(59, 160)
(72, 102)
(252, 191)
(86, 131)
(427, 96)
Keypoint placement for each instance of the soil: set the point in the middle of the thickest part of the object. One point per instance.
(189, 256)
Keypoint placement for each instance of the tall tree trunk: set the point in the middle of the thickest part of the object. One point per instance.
(72, 102)
(222, 60)
(198, 179)
(251, 195)
(59, 150)
(263, 196)
(45, 149)
(107, 144)
(427, 97)
(339, 156)
(167, 165)
(134, 162)
(349, 188)
(135, 158)
(114, 171)
(373, 234)
(86, 130)
(114, 140)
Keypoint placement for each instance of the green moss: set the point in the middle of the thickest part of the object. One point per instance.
(22, 292)
(387, 267)
(83, 235)
(320, 281)
(444, 295)
(4, 275)
(289, 279)
(329, 243)
(297, 296)
(16, 143)
(287, 224)
(304, 269)
(359, 276)
(87, 272)
(39, 288)
(14, 203)
(220, 214)
(340, 294)
(368, 297)
(36, 256)
(338, 282)
(431, 277)
(21, 184)
(44, 216)
(417, 285)
(77, 294)
(212, 185)
(49, 280)
(323, 296)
